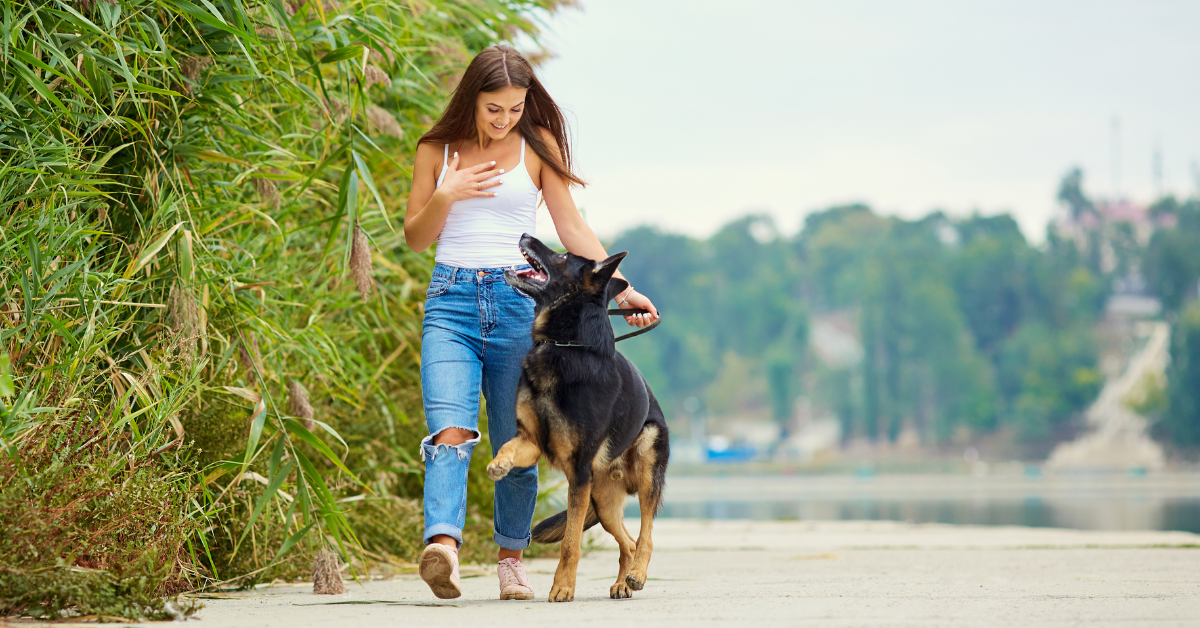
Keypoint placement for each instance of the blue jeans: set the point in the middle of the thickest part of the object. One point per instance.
(475, 334)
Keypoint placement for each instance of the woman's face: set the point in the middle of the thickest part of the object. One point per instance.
(496, 113)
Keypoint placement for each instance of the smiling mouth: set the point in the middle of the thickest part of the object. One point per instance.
(537, 274)
(499, 128)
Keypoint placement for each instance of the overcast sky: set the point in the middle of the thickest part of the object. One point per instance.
(688, 113)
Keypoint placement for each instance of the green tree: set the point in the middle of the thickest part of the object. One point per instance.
(991, 279)
(1181, 422)
(1047, 377)
(1170, 262)
(734, 292)
(950, 314)
(1070, 191)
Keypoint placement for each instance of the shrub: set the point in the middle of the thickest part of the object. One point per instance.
(198, 209)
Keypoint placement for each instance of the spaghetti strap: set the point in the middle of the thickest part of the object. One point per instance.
(522, 152)
(445, 165)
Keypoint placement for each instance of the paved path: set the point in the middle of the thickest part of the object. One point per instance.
(737, 573)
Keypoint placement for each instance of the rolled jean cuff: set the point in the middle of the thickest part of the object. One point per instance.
(443, 528)
(510, 543)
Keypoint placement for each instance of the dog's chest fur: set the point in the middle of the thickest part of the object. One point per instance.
(580, 420)
(557, 435)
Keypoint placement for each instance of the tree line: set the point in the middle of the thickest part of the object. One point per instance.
(963, 326)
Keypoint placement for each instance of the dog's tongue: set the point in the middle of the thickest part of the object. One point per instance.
(531, 273)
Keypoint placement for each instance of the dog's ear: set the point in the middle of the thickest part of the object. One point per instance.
(605, 269)
(616, 286)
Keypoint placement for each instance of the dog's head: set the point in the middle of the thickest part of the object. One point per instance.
(570, 292)
(564, 277)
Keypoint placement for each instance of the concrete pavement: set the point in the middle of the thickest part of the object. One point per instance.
(772, 573)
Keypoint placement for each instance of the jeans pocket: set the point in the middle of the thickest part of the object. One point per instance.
(437, 287)
(521, 294)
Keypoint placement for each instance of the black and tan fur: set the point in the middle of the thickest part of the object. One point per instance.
(589, 411)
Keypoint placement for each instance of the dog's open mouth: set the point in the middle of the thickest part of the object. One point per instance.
(536, 274)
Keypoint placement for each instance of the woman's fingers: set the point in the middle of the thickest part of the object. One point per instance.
(485, 175)
(479, 188)
(474, 180)
(639, 300)
(638, 320)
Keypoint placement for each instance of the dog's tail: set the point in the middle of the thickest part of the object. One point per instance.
(552, 528)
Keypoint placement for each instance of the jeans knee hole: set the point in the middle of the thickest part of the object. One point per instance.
(430, 450)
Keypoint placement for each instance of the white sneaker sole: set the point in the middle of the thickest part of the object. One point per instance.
(437, 570)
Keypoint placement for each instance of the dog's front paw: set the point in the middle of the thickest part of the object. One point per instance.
(562, 593)
(497, 469)
(620, 590)
(635, 582)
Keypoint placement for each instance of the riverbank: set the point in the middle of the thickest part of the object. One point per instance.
(1096, 501)
(777, 573)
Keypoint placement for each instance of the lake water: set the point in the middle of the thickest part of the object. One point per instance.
(1093, 502)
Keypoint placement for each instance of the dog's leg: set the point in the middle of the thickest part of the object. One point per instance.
(522, 450)
(579, 496)
(608, 497)
(518, 452)
(636, 578)
(649, 481)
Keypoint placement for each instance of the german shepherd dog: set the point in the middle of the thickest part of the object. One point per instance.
(589, 411)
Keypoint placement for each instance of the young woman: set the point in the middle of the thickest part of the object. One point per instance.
(476, 180)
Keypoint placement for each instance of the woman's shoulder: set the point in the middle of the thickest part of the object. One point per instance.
(547, 136)
(429, 157)
(430, 148)
(548, 140)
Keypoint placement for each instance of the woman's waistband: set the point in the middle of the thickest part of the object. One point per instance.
(456, 274)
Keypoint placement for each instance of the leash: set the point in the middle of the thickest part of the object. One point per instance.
(613, 312)
(633, 310)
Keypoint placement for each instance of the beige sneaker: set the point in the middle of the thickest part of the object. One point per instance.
(514, 584)
(439, 569)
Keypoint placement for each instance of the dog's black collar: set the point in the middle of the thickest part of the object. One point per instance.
(612, 312)
(562, 344)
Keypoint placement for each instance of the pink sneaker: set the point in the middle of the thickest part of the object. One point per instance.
(514, 584)
(439, 569)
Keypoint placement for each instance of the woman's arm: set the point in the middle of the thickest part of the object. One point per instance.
(578, 237)
(428, 204)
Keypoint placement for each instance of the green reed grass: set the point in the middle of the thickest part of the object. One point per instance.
(200, 208)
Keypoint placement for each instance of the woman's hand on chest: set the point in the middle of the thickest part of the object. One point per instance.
(460, 185)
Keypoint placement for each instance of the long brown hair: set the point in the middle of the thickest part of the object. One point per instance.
(492, 70)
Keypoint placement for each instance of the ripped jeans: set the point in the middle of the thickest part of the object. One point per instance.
(475, 333)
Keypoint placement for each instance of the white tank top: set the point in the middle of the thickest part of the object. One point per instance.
(483, 232)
